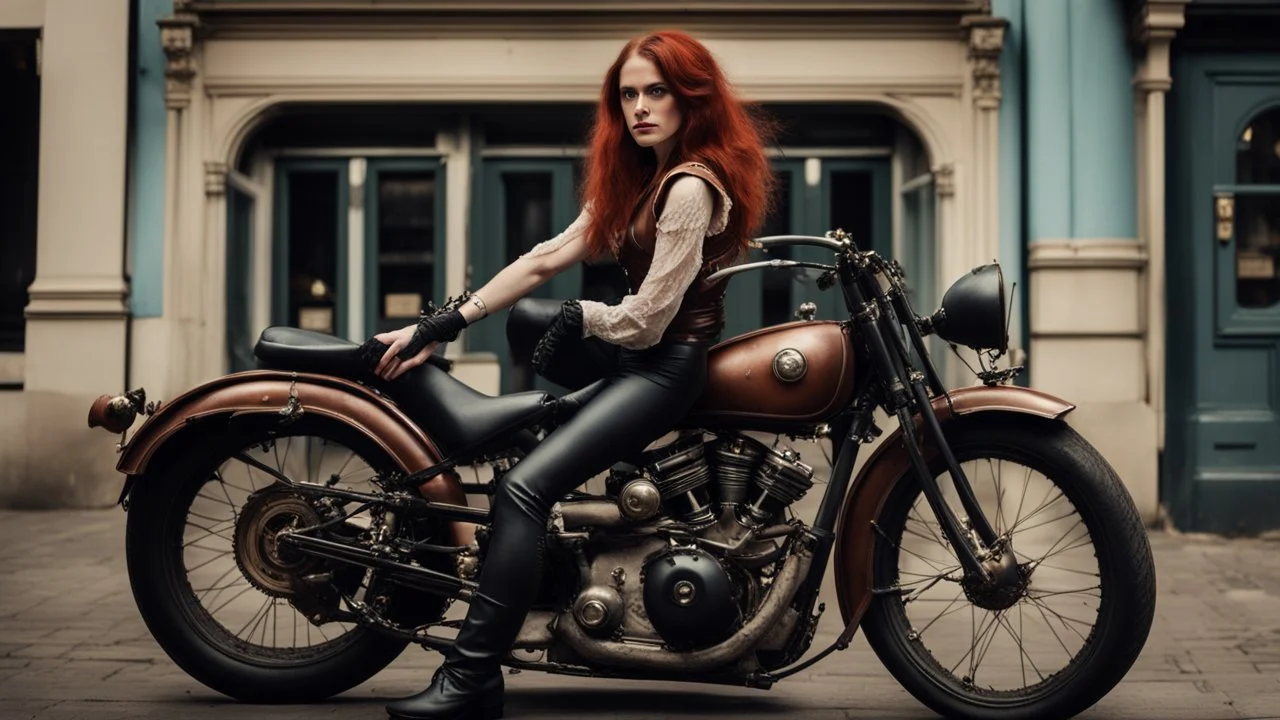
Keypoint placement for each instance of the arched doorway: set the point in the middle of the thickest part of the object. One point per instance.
(348, 218)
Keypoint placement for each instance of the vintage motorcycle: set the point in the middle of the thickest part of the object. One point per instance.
(292, 529)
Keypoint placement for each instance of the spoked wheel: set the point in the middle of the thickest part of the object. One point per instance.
(1075, 602)
(234, 609)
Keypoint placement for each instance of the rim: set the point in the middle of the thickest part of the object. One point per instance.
(1013, 650)
(233, 581)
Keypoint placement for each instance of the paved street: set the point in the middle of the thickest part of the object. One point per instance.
(72, 646)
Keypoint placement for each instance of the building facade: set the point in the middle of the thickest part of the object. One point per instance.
(209, 167)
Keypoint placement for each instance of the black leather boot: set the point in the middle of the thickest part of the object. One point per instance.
(468, 686)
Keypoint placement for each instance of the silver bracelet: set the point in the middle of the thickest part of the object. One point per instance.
(475, 300)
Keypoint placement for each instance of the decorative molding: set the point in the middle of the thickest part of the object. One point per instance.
(581, 18)
(1158, 20)
(177, 37)
(215, 178)
(301, 88)
(77, 299)
(1086, 253)
(944, 176)
(986, 40)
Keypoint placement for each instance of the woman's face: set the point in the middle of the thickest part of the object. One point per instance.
(648, 107)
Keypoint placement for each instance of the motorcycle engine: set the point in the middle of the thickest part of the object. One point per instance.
(695, 595)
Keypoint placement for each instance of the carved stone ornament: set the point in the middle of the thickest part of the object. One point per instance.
(986, 40)
(177, 37)
(215, 178)
(944, 178)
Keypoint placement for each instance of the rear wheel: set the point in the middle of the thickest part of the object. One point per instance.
(1061, 636)
(221, 598)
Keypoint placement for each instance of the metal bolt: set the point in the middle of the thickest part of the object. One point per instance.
(684, 592)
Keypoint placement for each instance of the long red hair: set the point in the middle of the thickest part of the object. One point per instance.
(718, 130)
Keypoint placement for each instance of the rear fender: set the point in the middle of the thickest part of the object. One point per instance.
(266, 392)
(855, 533)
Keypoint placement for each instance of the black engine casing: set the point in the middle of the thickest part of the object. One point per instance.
(690, 599)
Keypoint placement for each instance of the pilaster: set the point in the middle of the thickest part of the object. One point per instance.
(1154, 27)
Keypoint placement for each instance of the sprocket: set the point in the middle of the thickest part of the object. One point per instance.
(263, 562)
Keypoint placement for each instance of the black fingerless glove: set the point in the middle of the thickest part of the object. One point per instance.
(566, 326)
(442, 326)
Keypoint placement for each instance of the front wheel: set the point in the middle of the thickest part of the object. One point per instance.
(1066, 630)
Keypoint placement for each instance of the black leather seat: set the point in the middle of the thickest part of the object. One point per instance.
(457, 416)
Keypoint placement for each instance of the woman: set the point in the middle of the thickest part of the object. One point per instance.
(677, 182)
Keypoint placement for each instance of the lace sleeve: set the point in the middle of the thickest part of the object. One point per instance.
(640, 319)
(575, 230)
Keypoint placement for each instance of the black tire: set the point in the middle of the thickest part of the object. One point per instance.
(1125, 576)
(186, 630)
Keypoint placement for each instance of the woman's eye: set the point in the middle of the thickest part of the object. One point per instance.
(658, 92)
(628, 94)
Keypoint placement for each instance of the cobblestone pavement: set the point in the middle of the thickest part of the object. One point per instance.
(73, 646)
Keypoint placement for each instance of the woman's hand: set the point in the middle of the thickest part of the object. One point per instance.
(391, 367)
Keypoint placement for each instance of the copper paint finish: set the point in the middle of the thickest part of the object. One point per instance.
(741, 383)
(267, 391)
(112, 413)
(855, 537)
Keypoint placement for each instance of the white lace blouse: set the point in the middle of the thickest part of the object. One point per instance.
(640, 319)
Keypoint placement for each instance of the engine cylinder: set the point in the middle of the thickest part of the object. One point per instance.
(681, 472)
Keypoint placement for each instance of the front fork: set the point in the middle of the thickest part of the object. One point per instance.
(977, 545)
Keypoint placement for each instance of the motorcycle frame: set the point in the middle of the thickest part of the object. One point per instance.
(892, 384)
(885, 323)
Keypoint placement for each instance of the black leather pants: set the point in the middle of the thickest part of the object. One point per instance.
(647, 392)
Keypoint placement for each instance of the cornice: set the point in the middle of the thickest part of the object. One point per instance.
(586, 89)
(246, 19)
(368, 7)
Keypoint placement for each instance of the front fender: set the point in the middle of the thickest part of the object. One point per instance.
(260, 392)
(855, 534)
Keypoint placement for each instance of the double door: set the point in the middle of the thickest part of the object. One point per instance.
(356, 248)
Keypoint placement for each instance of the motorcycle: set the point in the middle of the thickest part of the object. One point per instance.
(291, 529)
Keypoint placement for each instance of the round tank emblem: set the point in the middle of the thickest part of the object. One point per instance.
(789, 365)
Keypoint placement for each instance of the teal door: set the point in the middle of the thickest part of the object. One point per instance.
(403, 240)
(848, 194)
(521, 203)
(309, 252)
(1222, 469)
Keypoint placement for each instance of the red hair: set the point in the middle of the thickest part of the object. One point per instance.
(718, 130)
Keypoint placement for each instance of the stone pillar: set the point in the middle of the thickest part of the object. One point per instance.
(77, 320)
(187, 217)
(1156, 25)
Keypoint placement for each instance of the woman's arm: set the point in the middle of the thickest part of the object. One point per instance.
(531, 270)
(525, 274)
(640, 319)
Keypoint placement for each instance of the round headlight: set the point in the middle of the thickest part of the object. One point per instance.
(974, 311)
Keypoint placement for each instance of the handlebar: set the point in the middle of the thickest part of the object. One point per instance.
(822, 242)
(765, 264)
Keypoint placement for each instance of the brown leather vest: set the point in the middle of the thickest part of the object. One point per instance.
(701, 314)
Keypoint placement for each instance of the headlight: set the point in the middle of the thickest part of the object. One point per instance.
(974, 311)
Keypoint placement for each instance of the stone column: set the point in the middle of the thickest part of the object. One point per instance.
(1157, 23)
(186, 222)
(77, 320)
